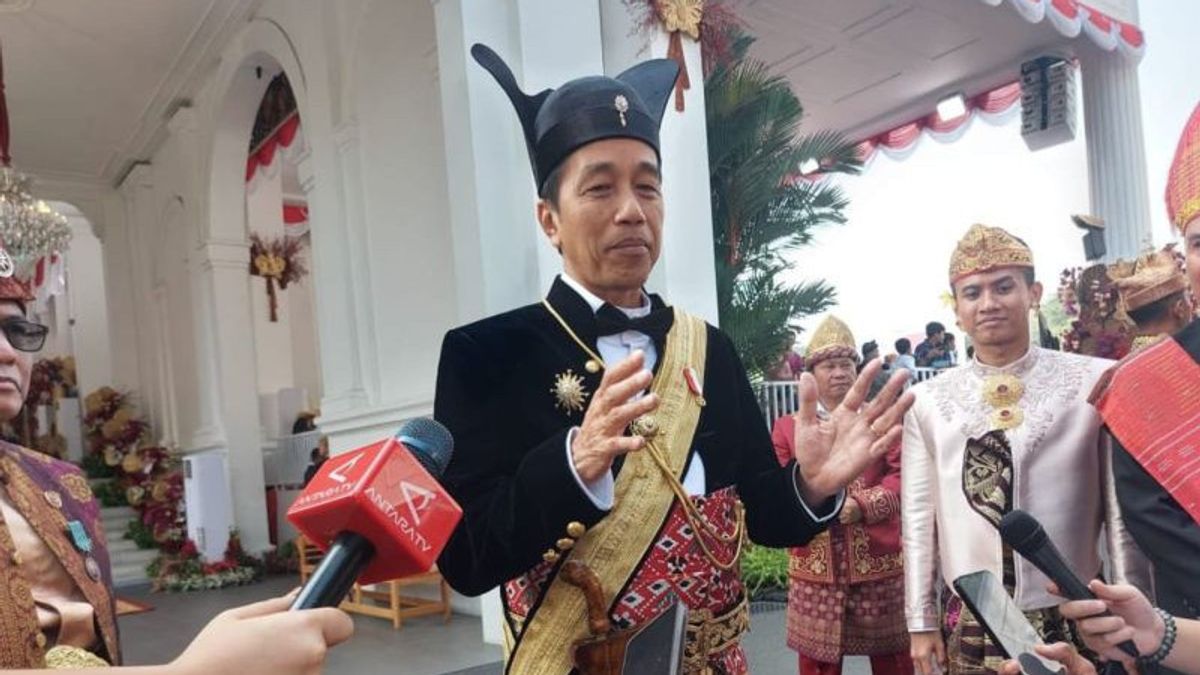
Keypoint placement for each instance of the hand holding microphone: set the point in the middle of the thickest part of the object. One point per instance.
(234, 641)
(1119, 614)
(378, 512)
(1025, 535)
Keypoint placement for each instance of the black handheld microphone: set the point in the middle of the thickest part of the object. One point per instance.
(1025, 535)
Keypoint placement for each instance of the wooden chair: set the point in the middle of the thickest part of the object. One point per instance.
(309, 555)
(384, 600)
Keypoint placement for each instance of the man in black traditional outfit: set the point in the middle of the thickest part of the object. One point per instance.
(602, 426)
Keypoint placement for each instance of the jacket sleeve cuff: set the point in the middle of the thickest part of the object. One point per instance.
(546, 485)
(878, 504)
(599, 491)
(922, 619)
(825, 511)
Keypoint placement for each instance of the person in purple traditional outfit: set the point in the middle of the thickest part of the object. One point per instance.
(56, 604)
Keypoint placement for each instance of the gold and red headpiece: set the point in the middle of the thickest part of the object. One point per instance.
(831, 340)
(984, 248)
(1183, 181)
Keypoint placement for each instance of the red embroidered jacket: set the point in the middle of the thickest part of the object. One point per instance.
(872, 544)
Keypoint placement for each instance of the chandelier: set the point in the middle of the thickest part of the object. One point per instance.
(29, 228)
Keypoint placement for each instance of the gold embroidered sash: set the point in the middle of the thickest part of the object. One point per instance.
(642, 501)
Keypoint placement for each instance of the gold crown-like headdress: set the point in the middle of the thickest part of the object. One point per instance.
(1183, 182)
(985, 248)
(832, 339)
(1150, 278)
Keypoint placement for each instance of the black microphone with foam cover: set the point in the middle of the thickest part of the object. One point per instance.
(1026, 536)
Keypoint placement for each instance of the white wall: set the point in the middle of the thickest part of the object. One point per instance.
(306, 355)
(272, 339)
(79, 317)
(88, 308)
(394, 90)
(382, 289)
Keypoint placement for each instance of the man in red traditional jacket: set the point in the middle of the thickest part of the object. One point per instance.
(846, 590)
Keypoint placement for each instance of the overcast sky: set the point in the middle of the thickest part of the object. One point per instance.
(889, 262)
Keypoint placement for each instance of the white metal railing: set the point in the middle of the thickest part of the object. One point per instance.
(779, 398)
(284, 464)
(922, 374)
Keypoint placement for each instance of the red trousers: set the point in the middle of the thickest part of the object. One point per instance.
(884, 664)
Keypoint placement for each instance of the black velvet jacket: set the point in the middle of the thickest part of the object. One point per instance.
(1168, 536)
(510, 470)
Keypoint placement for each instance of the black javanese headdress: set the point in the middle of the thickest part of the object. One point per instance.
(556, 122)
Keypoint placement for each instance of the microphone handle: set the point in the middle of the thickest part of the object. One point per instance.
(1051, 563)
(332, 579)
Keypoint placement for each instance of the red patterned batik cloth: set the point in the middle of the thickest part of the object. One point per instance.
(674, 566)
(827, 621)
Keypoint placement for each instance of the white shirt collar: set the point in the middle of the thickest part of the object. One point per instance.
(1019, 367)
(595, 302)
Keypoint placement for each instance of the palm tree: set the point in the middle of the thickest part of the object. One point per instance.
(762, 208)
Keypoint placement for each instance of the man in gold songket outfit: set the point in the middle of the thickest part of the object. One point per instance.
(1010, 430)
(846, 587)
(1153, 292)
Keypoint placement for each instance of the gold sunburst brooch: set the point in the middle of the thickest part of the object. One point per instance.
(569, 392)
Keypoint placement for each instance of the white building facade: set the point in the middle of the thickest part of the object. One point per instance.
(420, 204)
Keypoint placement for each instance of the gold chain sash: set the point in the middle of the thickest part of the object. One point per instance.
(642, 500)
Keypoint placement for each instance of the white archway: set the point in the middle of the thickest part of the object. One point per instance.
(225, 341)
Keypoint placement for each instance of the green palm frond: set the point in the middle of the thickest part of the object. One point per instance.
(762, 209)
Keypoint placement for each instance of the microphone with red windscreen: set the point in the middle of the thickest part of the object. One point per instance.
(378, 512)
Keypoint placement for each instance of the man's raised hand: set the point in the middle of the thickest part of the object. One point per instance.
(601, 437)
(831, 453)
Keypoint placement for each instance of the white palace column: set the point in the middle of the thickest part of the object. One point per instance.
(545, 36)
(142, 213)
(685, 273)
(337, 284)
(494, 233)
(501, 257)
(1116, 151)
(223, 267)
(227, 387)
(207, 434)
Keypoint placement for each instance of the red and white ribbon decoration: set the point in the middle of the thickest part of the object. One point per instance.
(295, 220)
(1072, 17)
(284, 138)
(993, 106)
